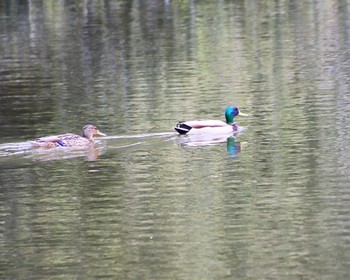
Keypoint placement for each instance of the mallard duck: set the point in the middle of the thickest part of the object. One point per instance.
(211, 126)
(69, 139)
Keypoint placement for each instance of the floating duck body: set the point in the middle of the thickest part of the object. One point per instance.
(211, 127)
(69, 139)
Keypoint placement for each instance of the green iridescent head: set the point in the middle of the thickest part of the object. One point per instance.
(231, 112)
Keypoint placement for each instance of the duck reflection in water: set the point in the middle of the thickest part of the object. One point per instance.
(23, 150)
(91, 153)
(233, 146)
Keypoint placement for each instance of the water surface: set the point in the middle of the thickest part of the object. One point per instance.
(273, 203)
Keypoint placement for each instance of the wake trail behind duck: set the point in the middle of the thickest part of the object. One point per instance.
(14, 148)
(144, 135)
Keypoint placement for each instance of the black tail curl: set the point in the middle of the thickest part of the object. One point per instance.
(182, 128)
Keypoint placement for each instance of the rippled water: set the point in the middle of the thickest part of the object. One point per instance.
(144, 203)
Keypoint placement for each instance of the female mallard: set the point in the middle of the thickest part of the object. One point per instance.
(211, 126)
(69, 139)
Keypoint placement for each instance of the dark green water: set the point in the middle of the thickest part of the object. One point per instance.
(274, 203)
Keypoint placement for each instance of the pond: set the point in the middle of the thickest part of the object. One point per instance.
(272, 202)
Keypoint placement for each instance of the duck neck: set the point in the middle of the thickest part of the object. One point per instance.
(234, 126)
(229, 119)
(88, 137)
(231, 122)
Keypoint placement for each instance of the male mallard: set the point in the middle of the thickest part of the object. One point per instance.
(69, 139)
(211, 126)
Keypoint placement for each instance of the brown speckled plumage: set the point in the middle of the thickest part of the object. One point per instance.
(69, 139)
